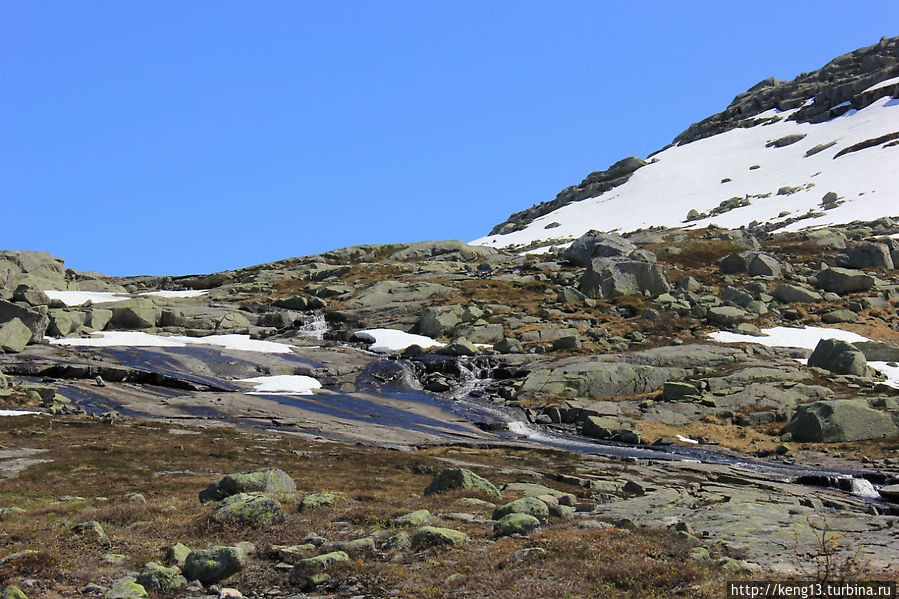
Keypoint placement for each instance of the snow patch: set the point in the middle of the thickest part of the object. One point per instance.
(807, 337)
(882, 84)
(388, 340)
(183, 293)
(282, 384)
(140, 339)
(16, 412)
(77, 298)
(684, 439)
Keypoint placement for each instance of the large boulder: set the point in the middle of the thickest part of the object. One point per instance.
(867, 255)
(794, 294)
(595, 244)
(765, 265)
(843, 280)
(437, 321)
(161, 579)
(14, 336)
(515, 524)
(840, 420)
(737, 262)
(135, 314)
(271, 481)
(607, 278)
(36, 319)
(212, 565)
(591, 379)
(526, 505)
(460, 478)
(840, 357)
(249, 509)
(432, 536)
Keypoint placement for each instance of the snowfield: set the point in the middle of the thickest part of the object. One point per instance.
(139, 339)
(702, 174)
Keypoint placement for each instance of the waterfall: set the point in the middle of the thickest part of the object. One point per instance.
(315, 328)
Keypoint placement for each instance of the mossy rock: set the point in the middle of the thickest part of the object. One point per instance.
(91, 528)
(177, 554)
(397, 542)
(320, 499)
(322, 562)
(12, 592)
(249, 509)
(432, 536)
(126, 589)
(461, 478)
(212, 565)
(160, 579)
(515, 523)
(271, 481)
(526, 505)
(416, 518)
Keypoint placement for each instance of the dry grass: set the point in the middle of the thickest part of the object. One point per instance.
(98, 464)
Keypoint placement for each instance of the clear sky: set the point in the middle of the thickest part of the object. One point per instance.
(176, 137)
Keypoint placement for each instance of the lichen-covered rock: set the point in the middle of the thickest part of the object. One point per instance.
(607, 278)
(14, 336)
(271, 481)
(12, 592)
(432, 536)
(321, 562)
(126, 589)
(212, 565)
(91, 528)
(793, 294)
(249, 509)
(840, 420)
(595, 244)
(461, 478)
(515, 523)
(160, 579)
(176, 555)
(397, 542)
(526, 505)
(135, 314)
(416, 518)
(320, 499)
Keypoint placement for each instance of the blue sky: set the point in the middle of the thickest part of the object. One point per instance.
(186, 137)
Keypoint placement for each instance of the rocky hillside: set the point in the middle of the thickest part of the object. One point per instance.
(637, 415)
(820, 149)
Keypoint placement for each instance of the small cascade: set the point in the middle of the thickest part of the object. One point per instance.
(474, 376)
(314, 328)
(860, 487)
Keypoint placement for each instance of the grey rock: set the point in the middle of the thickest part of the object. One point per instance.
(791, 294)
(14, 336)
(842, 280)
(840, 357)
(765, 265)
(867, 255)
(725, 315)
(606, 278)
(595, 244)
(840, 420)
(36, 319)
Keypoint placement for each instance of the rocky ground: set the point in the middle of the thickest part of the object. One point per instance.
(602, 348)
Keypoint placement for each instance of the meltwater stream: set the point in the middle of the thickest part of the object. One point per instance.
(467, 398)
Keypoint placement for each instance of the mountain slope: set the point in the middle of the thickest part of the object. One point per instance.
(775, 157)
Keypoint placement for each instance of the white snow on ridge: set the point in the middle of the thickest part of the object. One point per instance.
(17, 412)
(140, 339)
(77, 298)
(882, 84)
(388, 340)
(689, 176)
(282, 384)
(807, 338)
(169, 293)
